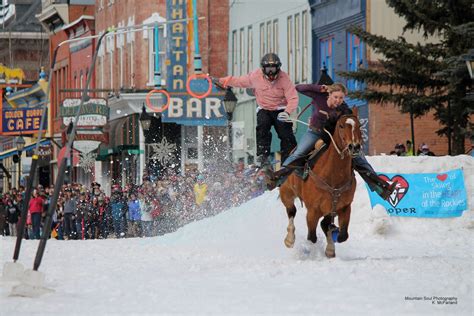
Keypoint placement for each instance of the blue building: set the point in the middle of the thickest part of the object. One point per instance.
(336, 49)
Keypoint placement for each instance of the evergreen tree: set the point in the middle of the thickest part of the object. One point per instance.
(423, 77)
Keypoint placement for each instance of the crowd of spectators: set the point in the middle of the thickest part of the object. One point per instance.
(407, 150)
(156, 207)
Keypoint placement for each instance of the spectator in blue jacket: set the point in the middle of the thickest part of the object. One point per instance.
(119, 210)
(134, 216)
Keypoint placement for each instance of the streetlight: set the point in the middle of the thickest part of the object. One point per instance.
(19, 143)
(229, 101)
(145, 119)
(71, 154)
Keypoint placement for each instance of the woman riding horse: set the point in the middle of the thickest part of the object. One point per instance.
(329, 191)
(328, 102)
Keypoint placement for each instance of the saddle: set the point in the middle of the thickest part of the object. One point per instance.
(302, 166)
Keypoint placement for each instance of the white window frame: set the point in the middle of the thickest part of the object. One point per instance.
(131, 43)
(75, 83)
(262, 40)
(120, 46)
(297, 53)
(234, 53)
(289, 39)
(242, 50)
(304, 58)
(269, 37)
(102, 70)
(111, 69)
(276, 44)
(149, 36)
(151, 55)
(81, 82)
(249, 49)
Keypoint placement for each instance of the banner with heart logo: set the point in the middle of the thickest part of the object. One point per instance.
(424, 194)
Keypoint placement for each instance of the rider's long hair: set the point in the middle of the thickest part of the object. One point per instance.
(337, 86)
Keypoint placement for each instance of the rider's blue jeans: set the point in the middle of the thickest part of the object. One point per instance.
(306, 144)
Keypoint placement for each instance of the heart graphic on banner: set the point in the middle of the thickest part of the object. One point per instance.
(401, 189)
(442, 177)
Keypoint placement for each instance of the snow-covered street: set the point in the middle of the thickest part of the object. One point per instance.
(236, 263)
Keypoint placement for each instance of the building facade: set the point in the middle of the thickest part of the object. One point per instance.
(335, 48)
(126, 71)
(386, 119)
(258, 28)
(64, 21)
(23, 53)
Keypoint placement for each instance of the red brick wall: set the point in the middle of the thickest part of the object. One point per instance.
(81, 61)
(212, 38)
(62, 63)
(65, 65)
(120, 12)
(218, 34)
(76, 11)
(387, 127)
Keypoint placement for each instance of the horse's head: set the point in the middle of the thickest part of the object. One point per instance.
(349, 135)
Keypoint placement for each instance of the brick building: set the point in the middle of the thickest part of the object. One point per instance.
(66, 20)
(125, 70)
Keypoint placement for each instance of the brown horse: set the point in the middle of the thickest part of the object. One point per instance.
(329, 190)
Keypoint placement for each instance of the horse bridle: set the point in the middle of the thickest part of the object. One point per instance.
(341, 152)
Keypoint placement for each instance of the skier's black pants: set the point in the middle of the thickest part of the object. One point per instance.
(265, 120)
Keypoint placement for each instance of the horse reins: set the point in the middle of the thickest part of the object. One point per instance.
(340, 152)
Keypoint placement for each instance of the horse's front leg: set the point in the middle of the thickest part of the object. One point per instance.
(312, 219)
(344, 219)
(328, 228)
(290, 236)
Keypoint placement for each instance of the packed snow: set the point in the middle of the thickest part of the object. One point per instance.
(235, 263)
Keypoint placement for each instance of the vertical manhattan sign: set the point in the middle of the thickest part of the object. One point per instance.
(185, 109)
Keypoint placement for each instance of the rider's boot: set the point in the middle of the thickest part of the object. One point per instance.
(381, 187)
(274, 179)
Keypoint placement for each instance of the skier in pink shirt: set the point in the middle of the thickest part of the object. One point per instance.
(276, 99)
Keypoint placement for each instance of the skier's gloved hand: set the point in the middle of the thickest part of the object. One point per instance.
(284, 117)
(216, 82)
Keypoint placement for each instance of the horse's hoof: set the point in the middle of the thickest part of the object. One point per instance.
(289, 242)
(330, 254)
(330, 250)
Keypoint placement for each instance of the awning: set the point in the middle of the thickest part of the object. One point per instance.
(29, 97)
(13, 151)
(123, 135)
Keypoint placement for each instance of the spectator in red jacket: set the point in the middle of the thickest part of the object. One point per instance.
(36, 209)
